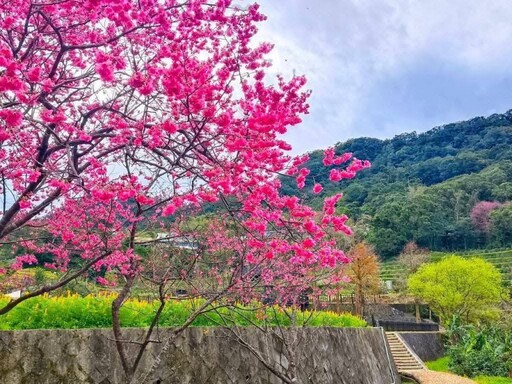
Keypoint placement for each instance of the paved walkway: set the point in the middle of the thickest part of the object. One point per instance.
(431, 377)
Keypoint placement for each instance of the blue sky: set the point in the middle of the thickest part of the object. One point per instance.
(382, 67)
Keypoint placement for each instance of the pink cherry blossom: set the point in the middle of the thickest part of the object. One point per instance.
(126, 117)
(12, 118)
(317, 188)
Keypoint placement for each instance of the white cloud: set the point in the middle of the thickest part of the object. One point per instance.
(347, 49)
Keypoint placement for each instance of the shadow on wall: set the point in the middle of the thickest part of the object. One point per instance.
(427, 345)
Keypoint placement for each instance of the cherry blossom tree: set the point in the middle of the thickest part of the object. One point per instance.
(480, 214)
(122, 115)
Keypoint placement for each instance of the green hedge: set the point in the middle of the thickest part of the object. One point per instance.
(94, 311)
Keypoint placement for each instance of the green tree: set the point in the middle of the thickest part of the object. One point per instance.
(389, 228)
(500, 227)
(468, 288)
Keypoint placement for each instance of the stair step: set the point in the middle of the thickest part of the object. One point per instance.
(403, 366)
(403, 358)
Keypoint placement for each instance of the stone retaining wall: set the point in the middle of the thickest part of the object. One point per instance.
(427, 345)
(197, 356)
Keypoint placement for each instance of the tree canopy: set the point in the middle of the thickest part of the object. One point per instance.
(364, 274)
(469, 289)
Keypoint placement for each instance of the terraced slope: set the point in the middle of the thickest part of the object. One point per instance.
(391, 270)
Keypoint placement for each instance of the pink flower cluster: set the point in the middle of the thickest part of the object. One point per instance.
(121, 115)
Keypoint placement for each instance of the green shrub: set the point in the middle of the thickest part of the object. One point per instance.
(483, 351)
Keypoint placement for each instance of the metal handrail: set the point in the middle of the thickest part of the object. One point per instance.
(390, 361)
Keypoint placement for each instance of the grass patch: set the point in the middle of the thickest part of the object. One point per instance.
(492, 380)
(441, 365)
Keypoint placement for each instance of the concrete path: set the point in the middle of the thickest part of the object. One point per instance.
(431, 377)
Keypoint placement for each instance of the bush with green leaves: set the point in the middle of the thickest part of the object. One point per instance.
(94, 311)
(483, 351)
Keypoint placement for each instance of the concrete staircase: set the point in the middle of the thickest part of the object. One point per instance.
(405, 359)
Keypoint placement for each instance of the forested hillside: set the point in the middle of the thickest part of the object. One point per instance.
(424, 187)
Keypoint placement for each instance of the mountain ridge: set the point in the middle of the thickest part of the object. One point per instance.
(470, 150)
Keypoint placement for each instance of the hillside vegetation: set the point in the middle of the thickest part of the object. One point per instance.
(422, 187)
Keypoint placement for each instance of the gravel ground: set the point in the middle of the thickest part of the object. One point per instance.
(431, 377)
